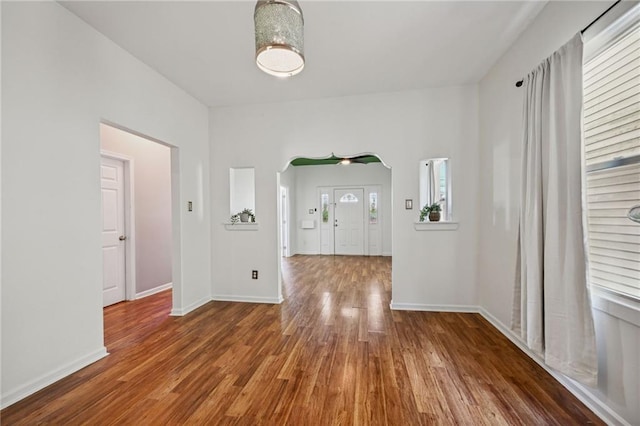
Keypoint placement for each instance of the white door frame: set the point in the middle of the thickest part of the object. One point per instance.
(378, 227)
(367, 189)
(284, 221)
(129, 223)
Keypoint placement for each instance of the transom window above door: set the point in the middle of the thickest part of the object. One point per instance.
(348, 198)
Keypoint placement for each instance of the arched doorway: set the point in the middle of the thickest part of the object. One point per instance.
(335, 206)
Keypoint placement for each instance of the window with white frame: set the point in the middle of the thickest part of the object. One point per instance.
(611, 124)
(373, 208)
(435, 185)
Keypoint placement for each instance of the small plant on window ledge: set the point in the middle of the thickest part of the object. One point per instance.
(245, 216)
(432, 211)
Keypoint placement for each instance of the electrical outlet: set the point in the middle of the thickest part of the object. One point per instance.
(254, 275)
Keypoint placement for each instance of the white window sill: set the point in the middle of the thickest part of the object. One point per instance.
(242, 226)
(615, 304)
(435, 226)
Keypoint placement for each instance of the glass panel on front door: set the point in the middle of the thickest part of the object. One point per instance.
(348, 198)
(324, 199)
(373, 208)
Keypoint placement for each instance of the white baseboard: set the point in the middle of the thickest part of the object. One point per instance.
(155, 290)
(386, 253)
(581, 392)
(177, 312)
(45, 380)
(307, 252)
(246, 299)
(586, 396)
(433, 308)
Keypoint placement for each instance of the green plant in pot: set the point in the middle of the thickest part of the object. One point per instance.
(245, 215)
(431, 211)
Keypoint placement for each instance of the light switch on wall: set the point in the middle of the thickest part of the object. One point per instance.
(190, 206)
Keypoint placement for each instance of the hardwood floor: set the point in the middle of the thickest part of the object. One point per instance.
(332, 353)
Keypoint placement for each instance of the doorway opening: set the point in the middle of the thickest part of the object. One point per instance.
(335, 206)
(138, 223)
(350, 222)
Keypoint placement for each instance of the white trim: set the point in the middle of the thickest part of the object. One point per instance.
(387, 253)
(154, 290)
(179, 312)
(246, 299)
(284, 220)
(129, 222)
(605, 30)
(435, 226)
(51, 377)
(176, 212)
(615, 304)
(585, 395)
(310, 253)
(423, 197)
(241, 226)
(177, 216)
(434, 308)
(378, 227)
(329, 224)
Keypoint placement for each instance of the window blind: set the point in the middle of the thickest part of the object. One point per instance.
(612, 159)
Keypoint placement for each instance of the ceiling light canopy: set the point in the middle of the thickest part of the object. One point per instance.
(279, 37)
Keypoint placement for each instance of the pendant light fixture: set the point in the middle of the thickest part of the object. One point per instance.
(279, 37)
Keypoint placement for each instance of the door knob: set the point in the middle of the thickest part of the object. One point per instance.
(122, 238)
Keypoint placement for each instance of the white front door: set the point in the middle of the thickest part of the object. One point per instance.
(349, 221)
(113, 235)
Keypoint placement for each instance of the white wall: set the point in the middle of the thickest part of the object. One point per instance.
(60, 78)
(400, 127)
(309, 178)
(152, 199)
(500, 139)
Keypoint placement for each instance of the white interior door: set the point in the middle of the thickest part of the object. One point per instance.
(349, 221)
(113, 235)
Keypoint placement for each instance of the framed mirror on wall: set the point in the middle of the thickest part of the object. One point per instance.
(435, 186)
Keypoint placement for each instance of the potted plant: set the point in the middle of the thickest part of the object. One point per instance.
(432, 211)
(245, 215)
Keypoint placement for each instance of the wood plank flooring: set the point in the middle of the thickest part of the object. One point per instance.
(332, 354)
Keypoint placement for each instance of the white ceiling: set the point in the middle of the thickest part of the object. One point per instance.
(351, 47)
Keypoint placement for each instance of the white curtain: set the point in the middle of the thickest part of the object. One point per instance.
(434, 181)
(552, 309)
